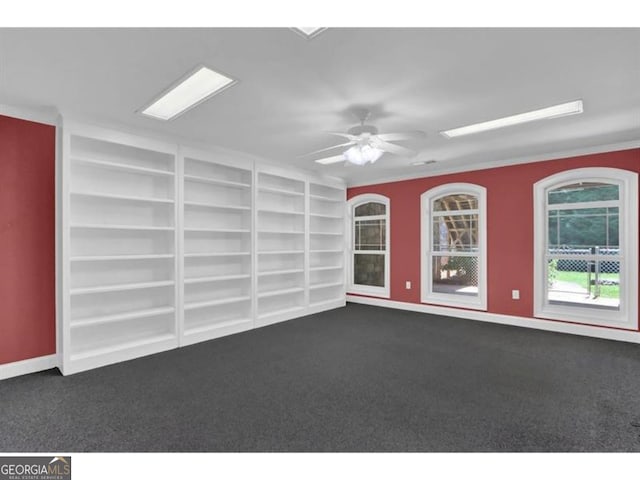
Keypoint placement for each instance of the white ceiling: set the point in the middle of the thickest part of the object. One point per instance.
(291, 90)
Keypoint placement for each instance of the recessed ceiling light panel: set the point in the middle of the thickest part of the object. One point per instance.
(564, 109)
(195, 88)
(309, 32)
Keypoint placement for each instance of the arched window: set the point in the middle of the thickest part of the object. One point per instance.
(454, 246)
(586, 247)
(369, 249)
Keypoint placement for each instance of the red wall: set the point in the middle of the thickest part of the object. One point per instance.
(27, 240)
(509, 224)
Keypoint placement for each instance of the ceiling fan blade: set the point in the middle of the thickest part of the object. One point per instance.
(330, 160)
(329, 148)
(392, 148)
(394, 137)
(352, 138)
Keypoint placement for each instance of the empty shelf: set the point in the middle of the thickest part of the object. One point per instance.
(216, 230)
(110, 196)
(122, 346)
(121, 166)
(217, 206)
(120, 317)
(98, 226)
(326, 285)
(279, 252)
(216, 278)
(94, 258)
(280, 312)
(216, 254)
(279, 212)
(213, 303)
(285, 291)
(327, 199)
(281, 272)
(216, 181)
(331, 267)
(121, 287)
(215, 326)
(281, 191)
(324, 215)
(281, 232)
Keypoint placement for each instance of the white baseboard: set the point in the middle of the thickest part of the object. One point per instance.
(526, 322)
(32, 365)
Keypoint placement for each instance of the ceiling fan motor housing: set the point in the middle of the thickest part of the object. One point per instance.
(360, 129)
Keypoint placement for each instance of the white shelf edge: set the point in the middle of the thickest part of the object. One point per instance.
(333, 234)
(326, 285)
(126, 198)
(284, 291)
(282, 191)
(213, 303)
(217, 206)
(121, 287)
(281, 272)
(327, 199)
(97, 226)
(319, 269)
(217, 230)
(123, 346)
(120, 317)
(324, 215)
(326, 251)
(216, 254)
(281, 312)
(278, 212)
(121, 166)
(280, 252)
(207, 328)
(216, 181)
(325, 302)
(96, 258)
(281, 232)
(218, 278)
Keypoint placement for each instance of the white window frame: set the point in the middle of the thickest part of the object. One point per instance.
(383, 292)
(627, 315)
(427, 295)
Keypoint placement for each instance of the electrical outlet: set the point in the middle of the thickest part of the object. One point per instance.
(515, 294)
(407, 285)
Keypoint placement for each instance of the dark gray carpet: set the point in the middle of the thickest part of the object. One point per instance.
(355, 379)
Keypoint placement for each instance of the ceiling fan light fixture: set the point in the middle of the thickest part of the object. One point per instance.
(555, 111)
(361, 155)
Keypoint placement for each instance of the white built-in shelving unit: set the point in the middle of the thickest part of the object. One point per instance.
(164, 245)
(119, 268)
(217, 245)
(326, 244)
(281, 245)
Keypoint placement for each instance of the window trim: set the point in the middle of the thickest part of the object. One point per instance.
(627, 316)
(426, 275)
(383, 292)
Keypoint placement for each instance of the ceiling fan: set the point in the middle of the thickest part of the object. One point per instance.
(366, 145)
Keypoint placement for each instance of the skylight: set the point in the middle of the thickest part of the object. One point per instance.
(199, 86)
(555, 111)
